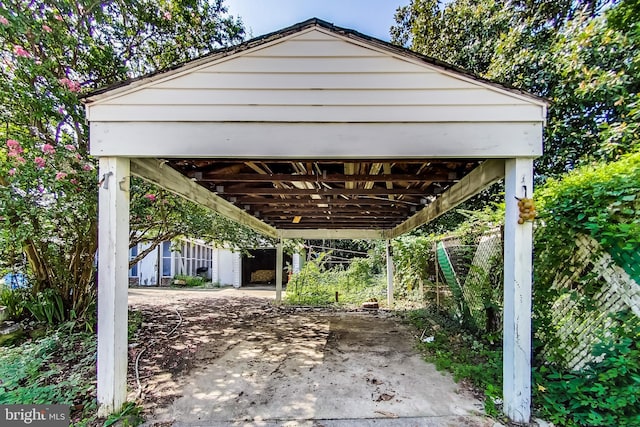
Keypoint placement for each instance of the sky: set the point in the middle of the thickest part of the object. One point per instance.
(370, 17)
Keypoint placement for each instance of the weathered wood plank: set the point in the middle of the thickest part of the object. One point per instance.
(331, 234)
(322, 192)
(440, 176)
(481, 177)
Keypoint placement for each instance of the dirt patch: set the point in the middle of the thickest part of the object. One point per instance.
(243, 361)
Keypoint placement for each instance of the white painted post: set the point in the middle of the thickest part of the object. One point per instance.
(279, 267)
(113, 266)
(237, 269)
(295, 263)
(518, 260)
(389, 275)
(215, 272)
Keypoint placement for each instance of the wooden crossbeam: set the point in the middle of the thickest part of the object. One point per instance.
(323, 192)
(278, 177)
(314, 203)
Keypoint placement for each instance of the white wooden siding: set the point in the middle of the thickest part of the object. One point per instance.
(353, 97)
(316, 76)
(277, 113)
(316, 140)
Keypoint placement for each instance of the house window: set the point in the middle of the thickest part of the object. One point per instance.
(133, 252)
(166, 259)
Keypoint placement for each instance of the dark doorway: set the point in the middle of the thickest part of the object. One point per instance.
(259, 267)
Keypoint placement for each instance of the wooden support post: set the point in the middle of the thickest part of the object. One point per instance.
(435, 256)
(237, 269)
(518, 262)
(389, 275)
(113, 267)
(279, 267)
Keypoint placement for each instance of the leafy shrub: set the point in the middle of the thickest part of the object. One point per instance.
(31, 374)
(191, 281)
(134, 323)
(606, 392)
(13, 300)
(317, 285)
(601, 200)
(47, 307)
(129, 415)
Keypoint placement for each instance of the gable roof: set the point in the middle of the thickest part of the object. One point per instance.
(274, 37)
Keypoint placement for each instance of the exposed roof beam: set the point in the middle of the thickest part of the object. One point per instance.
(373, 170)
(317, 234)
(249, 177)
(332, 161)
(334, 210)
(386, 168)
(322, 192)
(333, 218)
(314, 203)
(477, 180)
(156, 172)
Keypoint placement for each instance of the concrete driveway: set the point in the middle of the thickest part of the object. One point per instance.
(254, 364)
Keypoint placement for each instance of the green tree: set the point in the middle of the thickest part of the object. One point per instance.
(566, 51)
(52, 52)
(158, 216)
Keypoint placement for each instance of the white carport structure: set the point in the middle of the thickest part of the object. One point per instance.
(314, 132)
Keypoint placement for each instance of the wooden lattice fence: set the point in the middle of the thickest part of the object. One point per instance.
(581, 313)
(590, 286)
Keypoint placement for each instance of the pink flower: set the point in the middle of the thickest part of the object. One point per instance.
(12, 171)
(20, 51)
(87, 167)
(150, 197)
(73, 181)
(4, 21)
(20, 160)
(167, 16)
(14, 146)
(70, 84)
(70, 147)
(60, 175)
(46, 28)
(48, 149)
(40, 162)
(58, 18)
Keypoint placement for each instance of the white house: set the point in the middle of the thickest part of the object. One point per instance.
(192, 257)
